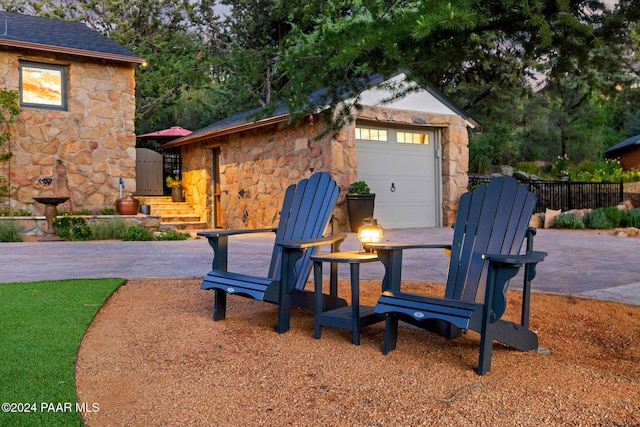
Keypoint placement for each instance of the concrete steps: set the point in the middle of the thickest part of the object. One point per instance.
(174, 215)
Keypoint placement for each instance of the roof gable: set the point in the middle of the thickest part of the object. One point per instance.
(414, 98)
(54, 35)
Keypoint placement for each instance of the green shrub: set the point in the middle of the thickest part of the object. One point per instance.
(9, 232)
(603, 218)
(137, 233)
(107, 210)
(173, 235)
(596, 219)
(614, 215)
(115, 228)
(529, 167)
(72, 228)
(81, 212)
(631, 218)
(568, 221)
(9, 212)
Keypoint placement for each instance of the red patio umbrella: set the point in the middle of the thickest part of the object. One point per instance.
(172, 133)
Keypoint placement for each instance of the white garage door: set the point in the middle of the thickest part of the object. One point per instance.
(403, 170)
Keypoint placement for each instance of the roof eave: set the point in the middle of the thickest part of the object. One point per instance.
(227, 131)
(72, 51)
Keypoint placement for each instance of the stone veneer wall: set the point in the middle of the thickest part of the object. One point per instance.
(84, 150)
(632, 193)
(257, 165)
(255, 168)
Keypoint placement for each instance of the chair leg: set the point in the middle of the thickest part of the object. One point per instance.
(486, 351)
(390, 333)
(219, 305)
(284, 314)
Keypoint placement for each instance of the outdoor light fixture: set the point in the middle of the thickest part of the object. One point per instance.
(370, 232)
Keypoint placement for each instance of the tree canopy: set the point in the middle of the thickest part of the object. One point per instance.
(545, 78)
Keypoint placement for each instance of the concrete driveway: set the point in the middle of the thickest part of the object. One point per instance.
(579, 263)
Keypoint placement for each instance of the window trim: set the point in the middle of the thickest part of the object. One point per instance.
(62, 69)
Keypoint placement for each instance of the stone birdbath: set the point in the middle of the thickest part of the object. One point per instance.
(50, 212)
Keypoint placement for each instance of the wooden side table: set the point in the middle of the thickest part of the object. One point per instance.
(351, 317)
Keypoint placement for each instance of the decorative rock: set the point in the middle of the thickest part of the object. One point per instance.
(626, 232)
(507, 170)
(549, 216)
(544, 351)
(537, 220)
(625, 205)
(521, 176)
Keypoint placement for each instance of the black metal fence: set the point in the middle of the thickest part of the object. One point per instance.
(566, 195)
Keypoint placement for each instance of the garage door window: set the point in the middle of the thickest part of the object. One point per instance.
(412, 138)
(385, 135)
(368, 134)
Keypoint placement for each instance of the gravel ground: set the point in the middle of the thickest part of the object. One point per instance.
(154, 357)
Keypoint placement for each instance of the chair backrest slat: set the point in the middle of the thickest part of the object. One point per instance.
(491, 219)
(306, 211)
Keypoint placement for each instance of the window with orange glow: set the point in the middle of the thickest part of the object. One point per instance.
(43, 86)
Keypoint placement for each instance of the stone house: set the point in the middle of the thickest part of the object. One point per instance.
(412, 152)
(75, 136)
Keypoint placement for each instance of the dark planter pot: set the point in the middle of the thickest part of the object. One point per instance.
(127, 206)
(176, 194)
(359, 207)
(145, 209)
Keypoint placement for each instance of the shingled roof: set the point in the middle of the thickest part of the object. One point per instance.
(53, 35)
(623, 147)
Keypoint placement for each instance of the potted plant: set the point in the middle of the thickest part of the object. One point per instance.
(360, 204)
(145, 209)
(176, 188)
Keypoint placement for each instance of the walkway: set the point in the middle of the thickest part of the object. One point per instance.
(580, 263)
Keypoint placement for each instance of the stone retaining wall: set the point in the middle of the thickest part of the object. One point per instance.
(33, 227)
(632, 193)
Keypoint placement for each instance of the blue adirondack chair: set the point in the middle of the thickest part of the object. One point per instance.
(490, 228)
(305, 213)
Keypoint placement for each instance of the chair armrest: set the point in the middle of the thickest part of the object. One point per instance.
(402, 246)
(309, 243)
(502, 268)
(219, 242)
(220, 233)
(532, 257)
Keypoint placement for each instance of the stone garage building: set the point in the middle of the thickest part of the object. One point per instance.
(413, 153)
(75, 136)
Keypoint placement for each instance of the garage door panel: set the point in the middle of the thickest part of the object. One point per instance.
(413, 216)
(407, 169)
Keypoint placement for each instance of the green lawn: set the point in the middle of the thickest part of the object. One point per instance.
(42, 324)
